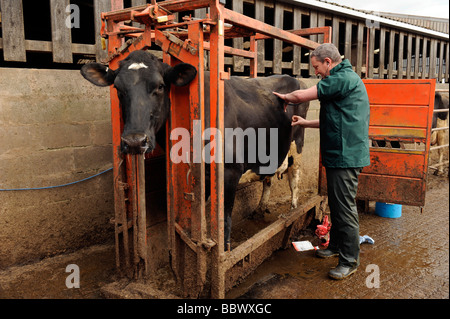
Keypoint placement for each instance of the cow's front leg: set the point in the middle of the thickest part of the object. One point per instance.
(231, 180)
(263, 206)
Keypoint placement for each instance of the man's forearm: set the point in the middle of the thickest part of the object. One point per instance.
(301, 96)
(312, 124)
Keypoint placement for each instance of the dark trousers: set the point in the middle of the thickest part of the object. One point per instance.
(342, 184)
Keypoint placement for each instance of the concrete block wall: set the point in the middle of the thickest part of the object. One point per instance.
(55, 128)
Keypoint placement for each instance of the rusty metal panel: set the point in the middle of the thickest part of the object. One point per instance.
(400, 120)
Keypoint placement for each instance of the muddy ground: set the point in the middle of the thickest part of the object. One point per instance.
(411, 254)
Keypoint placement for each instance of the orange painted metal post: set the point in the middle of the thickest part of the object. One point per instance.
(170, 192)
(121, 218)
(186, 188)
(254, 60)
(197, 166)
(217, 75)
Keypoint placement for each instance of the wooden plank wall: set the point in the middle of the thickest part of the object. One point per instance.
(13, 32)
(389, 52)
(14, 45)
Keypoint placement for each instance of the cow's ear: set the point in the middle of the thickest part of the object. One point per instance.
(181, 74)
(98, 74)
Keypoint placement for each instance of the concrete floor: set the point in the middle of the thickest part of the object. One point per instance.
(409, 260)
(411, 254)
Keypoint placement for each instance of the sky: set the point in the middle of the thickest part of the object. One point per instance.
(428, 8)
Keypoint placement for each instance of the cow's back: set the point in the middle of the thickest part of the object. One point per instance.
(250, 103)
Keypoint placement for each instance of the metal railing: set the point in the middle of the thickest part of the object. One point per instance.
(436, 166)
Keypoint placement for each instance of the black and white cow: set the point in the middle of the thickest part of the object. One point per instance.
(439, 121)
(143, 83)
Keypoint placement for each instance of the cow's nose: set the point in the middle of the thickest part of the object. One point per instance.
(135, 143)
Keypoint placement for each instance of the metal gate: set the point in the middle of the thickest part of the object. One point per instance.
(440, 146)
(401, 112)
(196, 238)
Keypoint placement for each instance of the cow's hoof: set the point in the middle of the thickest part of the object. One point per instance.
(438, 173)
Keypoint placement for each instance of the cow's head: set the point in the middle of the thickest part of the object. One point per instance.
(142, 84)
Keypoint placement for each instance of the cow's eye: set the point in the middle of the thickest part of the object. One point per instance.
(158, 90)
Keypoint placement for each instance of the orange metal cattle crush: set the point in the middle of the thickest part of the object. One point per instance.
(196, 247)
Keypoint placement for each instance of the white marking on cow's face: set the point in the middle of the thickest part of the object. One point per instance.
(137, 66)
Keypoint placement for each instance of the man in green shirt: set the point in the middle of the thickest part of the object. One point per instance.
(344, 144)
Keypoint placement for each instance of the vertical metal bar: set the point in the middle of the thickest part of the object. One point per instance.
(132, 197)
(170, 191)
(119, 174)
(135, 171)
(217, 120)
(254, 61)
(327, 35)
(141, 228)
(197, 113)
(428, 139)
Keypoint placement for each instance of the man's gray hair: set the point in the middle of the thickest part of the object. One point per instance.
(327, 50)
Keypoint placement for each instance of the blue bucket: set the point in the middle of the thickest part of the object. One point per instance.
(388, 210)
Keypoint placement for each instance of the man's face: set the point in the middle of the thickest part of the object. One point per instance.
(321, 68)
